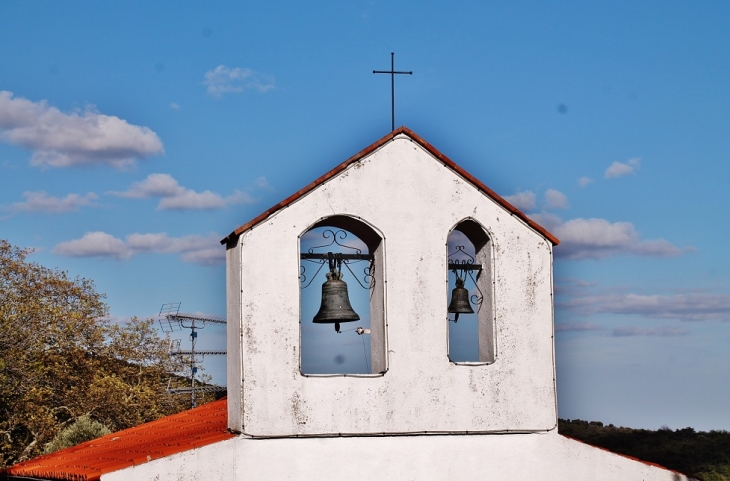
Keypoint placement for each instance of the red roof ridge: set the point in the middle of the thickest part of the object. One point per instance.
(648, 463)
(368, 150)
(163, 437)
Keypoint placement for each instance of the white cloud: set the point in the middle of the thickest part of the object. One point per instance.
(94, 244)
(522, 200)
(190, 199)
(584, 181)
(599, 238)
(41, 202)
(554, 199)
(222, 80)
(173, 196)
(174, 106)
(576, 327)
(84, 137)
(155, 185)
(571, 286)
(548, 220)
(619, 169)
(205, 250)
(692, 306)
(263, 184)
(624, 331)
(148, 242)
(665, 331)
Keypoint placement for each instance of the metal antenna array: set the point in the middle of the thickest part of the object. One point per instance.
(172, 320)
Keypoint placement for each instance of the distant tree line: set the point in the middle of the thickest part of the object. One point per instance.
(62, 361)
(705, 455)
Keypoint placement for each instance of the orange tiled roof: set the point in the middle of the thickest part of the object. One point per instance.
(187, 430)
(368, 150)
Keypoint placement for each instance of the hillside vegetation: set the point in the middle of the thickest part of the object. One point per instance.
(705, 455)
(62, 361)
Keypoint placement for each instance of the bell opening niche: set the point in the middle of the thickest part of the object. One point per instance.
(341, 315)
(469, 296)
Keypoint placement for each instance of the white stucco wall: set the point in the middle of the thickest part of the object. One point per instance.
(414, 201)
(508, 457)
(508, 406)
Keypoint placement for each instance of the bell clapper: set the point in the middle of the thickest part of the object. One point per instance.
(337, 327)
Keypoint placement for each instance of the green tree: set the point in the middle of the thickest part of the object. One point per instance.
(705, 455)
(61, 359)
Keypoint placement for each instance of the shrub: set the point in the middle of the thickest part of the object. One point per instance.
(84, 429)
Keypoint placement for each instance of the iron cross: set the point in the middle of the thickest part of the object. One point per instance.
(392, 73)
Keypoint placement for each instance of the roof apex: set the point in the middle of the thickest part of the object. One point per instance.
(403, 130)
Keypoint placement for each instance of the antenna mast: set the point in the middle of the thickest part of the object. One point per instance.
(171, 320)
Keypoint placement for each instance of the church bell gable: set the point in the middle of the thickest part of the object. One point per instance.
(406, 198)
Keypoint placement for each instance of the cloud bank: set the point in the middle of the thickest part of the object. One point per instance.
(665, 331)
(527, 200)
(41, 202)
(598, 238)
(173, 196)
(684, 307)
(576, 327)
(85, 137)
(196, 249)
(554, 199)
(224, 80)
(522, 200)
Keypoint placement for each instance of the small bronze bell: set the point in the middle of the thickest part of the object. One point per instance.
(460, 300)
(335, 307)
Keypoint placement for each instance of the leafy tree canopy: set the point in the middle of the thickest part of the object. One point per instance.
(62, 360)
(705, 455)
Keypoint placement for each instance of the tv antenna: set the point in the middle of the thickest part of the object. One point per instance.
(172, 320)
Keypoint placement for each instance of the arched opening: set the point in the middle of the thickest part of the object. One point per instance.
(341, 315)
(470, 295)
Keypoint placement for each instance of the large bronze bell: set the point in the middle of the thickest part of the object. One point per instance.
(335, 307)
(460, 300)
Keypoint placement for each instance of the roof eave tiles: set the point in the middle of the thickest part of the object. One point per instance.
(88, 461)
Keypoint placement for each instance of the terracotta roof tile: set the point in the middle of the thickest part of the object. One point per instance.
(368, 150)
(180, 432)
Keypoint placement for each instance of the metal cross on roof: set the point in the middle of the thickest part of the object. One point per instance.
(392, 73)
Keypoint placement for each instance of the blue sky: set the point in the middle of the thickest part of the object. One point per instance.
(135, 135)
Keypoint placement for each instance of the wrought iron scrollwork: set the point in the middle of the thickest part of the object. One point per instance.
(339, 234)
(460, 250)
(321, 258)
(368, 278)
(476, 299)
